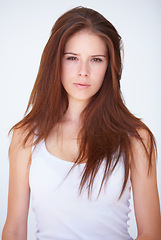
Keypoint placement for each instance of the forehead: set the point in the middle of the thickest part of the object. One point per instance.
(86, 40)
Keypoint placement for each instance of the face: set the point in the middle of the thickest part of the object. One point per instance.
(84, 65)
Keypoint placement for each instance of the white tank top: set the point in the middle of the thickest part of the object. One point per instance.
(62, 214)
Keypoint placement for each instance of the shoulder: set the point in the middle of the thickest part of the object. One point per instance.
(19, 136)
(144, 184)
(143, 147)
(19, 148)
(143, 157)
(144, 138)
(19, 191)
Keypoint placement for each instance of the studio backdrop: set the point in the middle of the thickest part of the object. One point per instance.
(24, 30)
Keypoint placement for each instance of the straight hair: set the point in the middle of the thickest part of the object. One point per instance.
(107, 124)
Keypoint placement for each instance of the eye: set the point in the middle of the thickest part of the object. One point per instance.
(72, 58)
(96, 60)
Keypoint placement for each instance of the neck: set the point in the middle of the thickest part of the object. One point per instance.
(74, 111)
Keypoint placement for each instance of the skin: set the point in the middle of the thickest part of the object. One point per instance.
(145, 192)
(80, 78)
(84, 65)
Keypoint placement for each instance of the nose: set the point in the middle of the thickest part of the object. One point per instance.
(83, 70)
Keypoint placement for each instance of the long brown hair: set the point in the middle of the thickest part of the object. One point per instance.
(107, 125)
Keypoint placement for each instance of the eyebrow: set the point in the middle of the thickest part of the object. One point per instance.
(71, 53)
(98, 55)
(76, 54)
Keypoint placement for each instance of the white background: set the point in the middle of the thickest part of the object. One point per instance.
(24, 30)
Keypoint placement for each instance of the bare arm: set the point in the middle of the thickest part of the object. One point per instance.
(145, 192)
(19, 193)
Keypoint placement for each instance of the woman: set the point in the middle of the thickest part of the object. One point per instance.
(88, 148)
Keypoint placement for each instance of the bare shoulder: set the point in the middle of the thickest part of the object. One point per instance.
(143, 151)
(18, 138)
(146, 140)
(144, 185)
(17, 148)
(19, 190)
(19, 158)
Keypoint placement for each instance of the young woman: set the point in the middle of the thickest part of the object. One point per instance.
(78, 149)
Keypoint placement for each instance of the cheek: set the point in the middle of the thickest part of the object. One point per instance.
(63, 70)
(67, 70)
(100, 77)
(101, 73)
(64, 74)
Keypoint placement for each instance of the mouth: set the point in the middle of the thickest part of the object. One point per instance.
(81, 85)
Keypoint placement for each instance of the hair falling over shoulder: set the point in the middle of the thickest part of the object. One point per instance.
(108, 125)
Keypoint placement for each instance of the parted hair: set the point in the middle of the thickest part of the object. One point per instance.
(107, 124)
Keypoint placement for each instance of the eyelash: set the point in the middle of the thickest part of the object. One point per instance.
(72, 58)
(76, 59)
(96, 60)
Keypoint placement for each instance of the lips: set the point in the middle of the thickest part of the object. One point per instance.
(82, 85)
